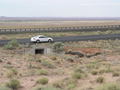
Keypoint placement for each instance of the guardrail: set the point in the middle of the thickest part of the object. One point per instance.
(60, 29)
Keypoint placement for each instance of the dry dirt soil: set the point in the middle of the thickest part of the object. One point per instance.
(60, 68)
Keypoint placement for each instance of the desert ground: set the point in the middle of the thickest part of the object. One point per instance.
(50, 24)
(95, 66)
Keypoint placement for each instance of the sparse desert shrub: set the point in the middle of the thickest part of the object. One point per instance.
(92, 66)
(13, 84)
(42, 72)
(31, 60)
(12, 45)
(100, 80)
(67, 84)
(47, 63)
(32, 72)
(71, 86)
(79, 70)
(12, 73)
(94, 72)
(77, 75)
(46, 88)
(58, 47)
(58, 84)
(106, 69)
(115, 74)
(30, 65)
(109, 86)
(42, 81)
(54, 58)
(8, 66)
(15, 72)
(4, 88)
(102, 71)
(109, 69)
(38, 60)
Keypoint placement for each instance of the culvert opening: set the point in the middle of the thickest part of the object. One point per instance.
(39, 51)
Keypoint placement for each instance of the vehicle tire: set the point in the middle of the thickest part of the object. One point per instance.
(38, 41)
(49, 40)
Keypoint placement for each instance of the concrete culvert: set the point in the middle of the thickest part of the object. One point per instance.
(39, 51)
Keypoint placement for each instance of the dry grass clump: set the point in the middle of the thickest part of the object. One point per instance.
(94, 72)
(100, 79)
(46, 88)
(42, 72)
(115, 74)
(79, 74)
(102, 71)
(42, 81)
(54, 58)
(8, 66)
(67, 84)
(92, 66)
(12, 73)
(109, 86)
(47, 64)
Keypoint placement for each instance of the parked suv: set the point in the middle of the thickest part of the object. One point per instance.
(41, 38)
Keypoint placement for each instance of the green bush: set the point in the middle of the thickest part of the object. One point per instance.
(13, 84)
(58, 47)
(109, 86)
(100, 80)
(43, 81)
(12, 45)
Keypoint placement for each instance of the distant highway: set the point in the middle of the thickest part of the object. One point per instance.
(70, 38)
(60, 29)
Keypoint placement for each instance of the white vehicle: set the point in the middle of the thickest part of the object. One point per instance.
(41, 38)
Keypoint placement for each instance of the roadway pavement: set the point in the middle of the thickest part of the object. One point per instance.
(70, 38)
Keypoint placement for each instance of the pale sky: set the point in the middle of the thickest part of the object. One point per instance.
(60, 8)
